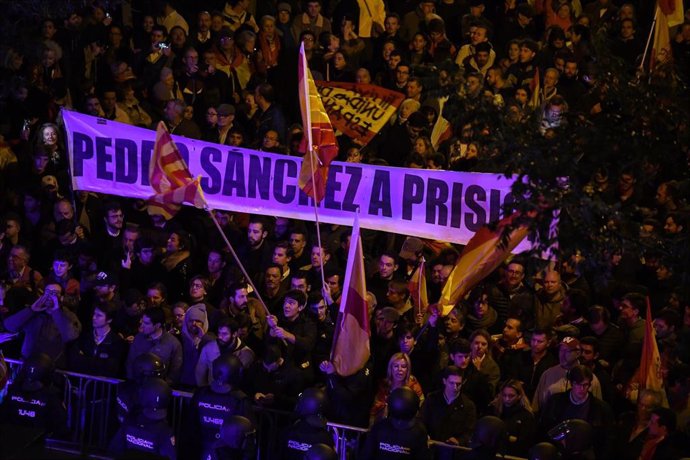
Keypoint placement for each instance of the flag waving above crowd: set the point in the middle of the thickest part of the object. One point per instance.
(321, 147)
(170, 178)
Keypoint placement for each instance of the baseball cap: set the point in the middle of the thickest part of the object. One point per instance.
(571, 342)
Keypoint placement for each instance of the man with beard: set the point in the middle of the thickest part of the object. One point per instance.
(195, 337)
(511, 285)
(271, 288)
(227, 342)
(388, 266)
(256, 252)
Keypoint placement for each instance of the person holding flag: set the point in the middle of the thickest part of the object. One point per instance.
(347, 370)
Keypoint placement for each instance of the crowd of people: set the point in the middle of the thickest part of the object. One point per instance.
(93, 284)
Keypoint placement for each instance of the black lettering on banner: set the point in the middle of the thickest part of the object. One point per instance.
(456, 205)
(211, 181)
(304, 200)
(474, 195)
(126, 161)
(413, 193)
(380, 201)
(355, 173)
(233, 183)
(282, 193)
(103, 157)
(82, 149)
(146, 154)
(436, 198)
(333, 185)
(494, 205)
(259, 177)
(508, 200)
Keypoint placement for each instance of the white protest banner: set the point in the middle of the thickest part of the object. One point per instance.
(113, 158)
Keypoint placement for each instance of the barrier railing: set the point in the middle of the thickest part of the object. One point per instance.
(92, 421)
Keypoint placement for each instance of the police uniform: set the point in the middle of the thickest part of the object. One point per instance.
(148, 431)
(127, 401)
(209, 410)
(41, 409)
(386, 441)
(298, 438)
(31, 408)
(145, 435)
(401, 434)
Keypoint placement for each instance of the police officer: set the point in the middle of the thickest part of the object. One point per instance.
(575, 439)
(321, 452)
(400, 434)
(309, 429)
(237, 440)
(488, 439)
(213, 405)
(543, 451)
(32, 407)
(144, 366)
(148, 431)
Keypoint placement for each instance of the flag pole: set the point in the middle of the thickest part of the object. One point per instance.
(649, 39)
(343, 299)
(237, 259)
(420, 267)
(310, 152)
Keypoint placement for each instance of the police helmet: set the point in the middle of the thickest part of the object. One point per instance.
(148, 365)
(321, 452)
(489, 432)
(311, 401)
(36, 371)
(236, 432)
(543, 451)
(574, 434)
(227, 370)
(154, 398)
(403, 403)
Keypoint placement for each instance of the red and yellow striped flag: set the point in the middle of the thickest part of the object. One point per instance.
(480, 257)
(669, 13)
(170, 178)
(350, 350)
(417, 288)
(319, 143)
(649, 373)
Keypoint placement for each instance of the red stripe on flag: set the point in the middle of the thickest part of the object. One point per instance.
(351, 340)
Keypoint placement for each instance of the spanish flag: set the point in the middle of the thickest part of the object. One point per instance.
(483, 253)
(649, 373)
(170, 178)
(669, 13)
(350, 350)
(321, 147)
(417, 288)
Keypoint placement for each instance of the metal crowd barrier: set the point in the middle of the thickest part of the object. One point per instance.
(92, 421)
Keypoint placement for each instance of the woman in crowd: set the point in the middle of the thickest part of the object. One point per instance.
(399, 375)
(513, 407)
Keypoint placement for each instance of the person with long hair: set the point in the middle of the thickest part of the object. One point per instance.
(399, 375)
(513, 407)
